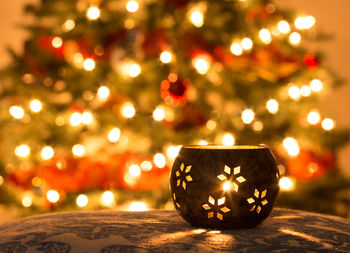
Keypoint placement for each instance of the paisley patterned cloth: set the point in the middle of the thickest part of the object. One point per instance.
(165, 231)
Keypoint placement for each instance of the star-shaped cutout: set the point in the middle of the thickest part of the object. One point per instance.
(183, 176)
(216, 207)
(175, 201)
(235, 177)
(258, 200)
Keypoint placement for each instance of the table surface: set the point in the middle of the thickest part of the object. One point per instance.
(165, 231)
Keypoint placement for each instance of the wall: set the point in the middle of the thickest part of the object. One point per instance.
(332, 16)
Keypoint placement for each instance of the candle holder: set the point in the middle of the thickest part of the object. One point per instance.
(224, 186)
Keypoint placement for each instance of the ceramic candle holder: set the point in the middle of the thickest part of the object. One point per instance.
(224, 186)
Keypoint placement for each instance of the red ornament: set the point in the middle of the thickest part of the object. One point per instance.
(70, 175)
(223, 56)
(308, 165)
(47, 43)
(155, 42)
(173, 90)
(77, 107)
(195, 44)
(310, 61)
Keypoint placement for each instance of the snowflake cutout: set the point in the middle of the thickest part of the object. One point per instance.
(176, 203)
(236, 177)
(258, 200)
(183, 176)
(216, 207)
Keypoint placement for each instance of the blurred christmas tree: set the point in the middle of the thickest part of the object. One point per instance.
(95, 110)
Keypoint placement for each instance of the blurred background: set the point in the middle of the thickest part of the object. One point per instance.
(331, 18)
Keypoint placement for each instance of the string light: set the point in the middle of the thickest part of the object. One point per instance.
(294, 38)
(173, 151)
(146, 166)
(134, 70)
(129, 23)
(16, 111)
(132, 6)
(107, 198)
(47, 153)
(305, 91)
(93, 13)
(159, 160)
(103, 93)
(135, 170)
(236, 49)
(286, 184)
(28, 78)
(316, 85)
(272, 106)
(86, 118)
(82, 200)
(197, 18)
(158, 114)
(294, 92)
(313, 117)
(257, 126)
(22, 151)
(38, 182)
(78, 59)
(78, 150)
(265, 36)
(68, 25)
(52, 196)
(35, 105)
(228, 139)
(201, 63)
(305, 22)
(75, 119)
(248, 116)
(283, 26)
(291, 146)
(328, 124)
(27, 201)
(60, 121)
(138, 206)
(247, 43)
(57, 42)
(114, 135)
(128, 110)
(89, 64)
(166, 57)
(211, 124)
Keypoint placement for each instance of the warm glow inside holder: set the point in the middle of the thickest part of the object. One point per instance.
(224, 186)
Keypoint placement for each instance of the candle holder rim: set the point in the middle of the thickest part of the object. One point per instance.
(225, 147)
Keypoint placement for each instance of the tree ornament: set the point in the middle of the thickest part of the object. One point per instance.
(48, 44)
(109, 171)
(154, 42)
(310, 61)
(224, 186)
(173, 90)
(309, 165)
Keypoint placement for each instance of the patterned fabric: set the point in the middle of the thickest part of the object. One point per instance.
(165, 231)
